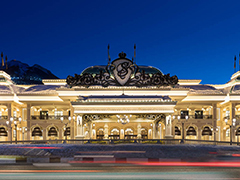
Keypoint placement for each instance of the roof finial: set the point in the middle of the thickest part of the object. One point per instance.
(135, 53)
(2, 60)
(239, 63)
(6, 62)
(109, 58)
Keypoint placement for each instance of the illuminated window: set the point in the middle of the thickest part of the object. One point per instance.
(198, 114)
(228, 133)
(227, 113)
(184, 114)
(14, 113)
(58, 113)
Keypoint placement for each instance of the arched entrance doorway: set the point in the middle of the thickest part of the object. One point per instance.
(129, 134)
(144, 133)
(100, 134)
(114, 134)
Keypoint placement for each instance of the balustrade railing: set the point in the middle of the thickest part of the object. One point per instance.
(120, 141)
(50, 117)
(195, 117)
(3, 117)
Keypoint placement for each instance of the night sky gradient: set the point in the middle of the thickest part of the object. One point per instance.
(191, 39)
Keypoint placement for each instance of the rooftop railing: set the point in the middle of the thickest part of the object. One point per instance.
(122, 141)
(3, 117)
(50, 117)
(194, 117)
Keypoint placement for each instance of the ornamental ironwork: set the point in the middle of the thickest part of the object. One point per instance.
(93, 117)
(151, 116)
(122, 72)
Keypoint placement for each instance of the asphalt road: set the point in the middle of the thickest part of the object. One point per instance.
(66, 171)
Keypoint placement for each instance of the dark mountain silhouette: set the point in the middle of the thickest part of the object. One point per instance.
(22, 73)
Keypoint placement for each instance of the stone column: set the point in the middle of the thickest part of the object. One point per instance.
(215, 121)
(28, 121)
(61, 133)
(44, 133)
(222, 125)
(79, 127)
(90, 130)
(154, 130)
(150, 133)
(199, 133)
(139, 136)
(72, 128)
(9, 106)
(232, 116)
(106, 131)
(122, 134)
(168, 129)
(160, 131)
(94, 133)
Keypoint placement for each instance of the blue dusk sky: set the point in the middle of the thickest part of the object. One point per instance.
(191, 39)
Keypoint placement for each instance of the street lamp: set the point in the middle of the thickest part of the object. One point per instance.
(231, 126)
(182, 121)
(69, 120)
(23, 129)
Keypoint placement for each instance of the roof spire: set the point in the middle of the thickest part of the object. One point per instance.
(239, 63)
(135, 53)
(109, 58)
(2, 60)
(6, 62)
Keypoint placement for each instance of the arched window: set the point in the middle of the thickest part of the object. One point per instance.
(52, 132)
(114, 134)
(37, 132)
(100, 133)
(144, 133)
(129, 134)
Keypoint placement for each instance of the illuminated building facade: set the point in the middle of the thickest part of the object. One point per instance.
(120, 101)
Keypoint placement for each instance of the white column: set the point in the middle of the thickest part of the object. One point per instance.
(139, 136)
(232, 116)
(60, 136)
(72, 123)
(214, 121)
(154, 130)
(160, 131)
(44, 134)
(168, 129)
(90, 130)
(106, 131)
(9, 106)
(28, 121)
(80, 134)
(122, 134)
(199, 135)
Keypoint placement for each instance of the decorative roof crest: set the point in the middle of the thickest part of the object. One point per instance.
(122, 72)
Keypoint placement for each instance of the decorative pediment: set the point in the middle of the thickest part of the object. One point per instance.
(122, 72)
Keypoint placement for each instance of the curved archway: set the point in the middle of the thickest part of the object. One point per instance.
(206, 131)
(114, 134)
(177, 131)
(52, 132)
(100, 133)
(129, 134)
(67, 131)
(191, 131)
(3, 134)
(144, 133)
(36, 133)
